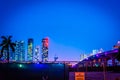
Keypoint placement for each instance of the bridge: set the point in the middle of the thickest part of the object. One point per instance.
(100, 59)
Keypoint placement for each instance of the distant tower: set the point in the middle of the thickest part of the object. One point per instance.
(117, 45)
(19, 51)
(82, 57)
(44, 49)
(100, 50)
(55, 58)
(30, 50)
(94, 51)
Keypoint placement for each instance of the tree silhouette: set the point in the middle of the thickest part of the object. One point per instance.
(7, 44)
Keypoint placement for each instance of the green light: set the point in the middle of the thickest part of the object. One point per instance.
(20, 65)
(97, 65)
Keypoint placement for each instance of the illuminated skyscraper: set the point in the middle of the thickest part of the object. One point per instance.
(22, 52)
(44, 49)
(30, 50)
(37, 54)
(19, 51)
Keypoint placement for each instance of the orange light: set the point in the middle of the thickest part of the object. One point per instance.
(79, 76)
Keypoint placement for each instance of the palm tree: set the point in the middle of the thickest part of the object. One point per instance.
(7, 44)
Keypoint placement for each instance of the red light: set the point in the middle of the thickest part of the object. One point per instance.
(45, 42)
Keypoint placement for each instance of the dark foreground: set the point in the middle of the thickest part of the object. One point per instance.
(48, 71)
(56, 71)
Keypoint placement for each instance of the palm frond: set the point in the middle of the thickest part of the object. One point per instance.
(12, 46)
(3, 43)
(9, 37)
(3, 37)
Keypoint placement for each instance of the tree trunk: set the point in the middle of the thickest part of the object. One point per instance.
(7, 55)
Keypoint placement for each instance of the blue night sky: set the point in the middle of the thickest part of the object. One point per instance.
(73, 27)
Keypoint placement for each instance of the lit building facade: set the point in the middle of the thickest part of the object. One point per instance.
(30, 50)
(19, 51)
(44, 49)
(37, 54)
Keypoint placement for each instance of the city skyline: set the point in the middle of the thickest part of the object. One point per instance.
(32, 52)
(73, 27)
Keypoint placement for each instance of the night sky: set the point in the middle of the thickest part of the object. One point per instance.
(72, 26)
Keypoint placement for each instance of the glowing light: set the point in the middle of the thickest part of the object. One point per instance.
(20, 65)
(97, 65)
(97, 55)
(37, 65)
(115, 50)
(106, 53)
(86, 58)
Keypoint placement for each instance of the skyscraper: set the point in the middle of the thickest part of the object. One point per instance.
(19, 51)
(30, 50)
(37, 54)
(44, 49)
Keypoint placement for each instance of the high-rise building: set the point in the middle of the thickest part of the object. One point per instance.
(30, 50)
(44, 49)
(37, 54)
(19, 51)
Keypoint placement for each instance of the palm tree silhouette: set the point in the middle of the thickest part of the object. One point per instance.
(7, 44)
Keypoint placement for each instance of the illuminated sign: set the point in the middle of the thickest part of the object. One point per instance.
(79, 76)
